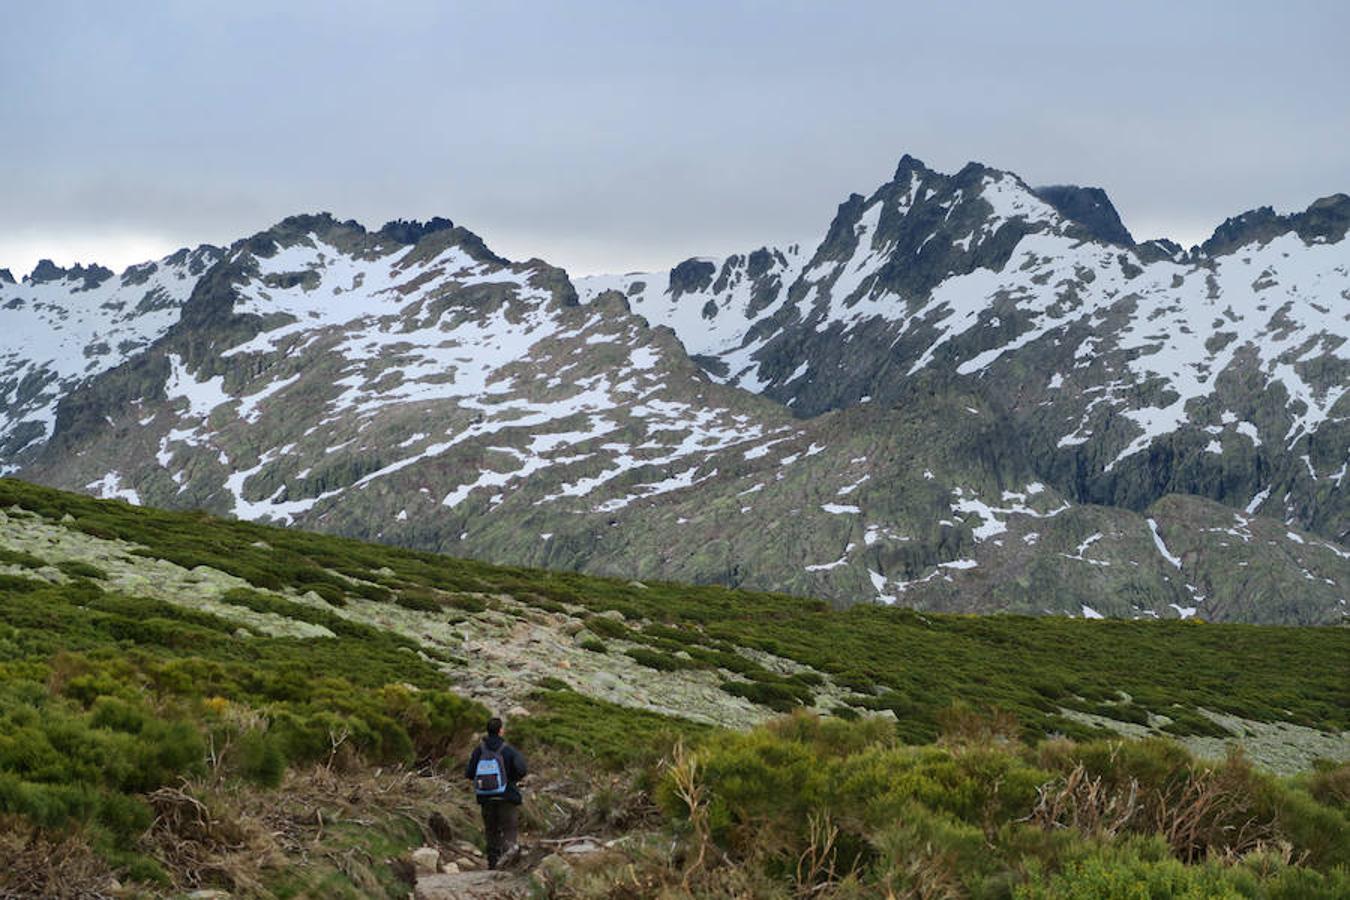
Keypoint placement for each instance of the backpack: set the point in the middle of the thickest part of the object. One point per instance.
(489, 778)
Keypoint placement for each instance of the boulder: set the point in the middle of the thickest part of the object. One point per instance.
(426, 860)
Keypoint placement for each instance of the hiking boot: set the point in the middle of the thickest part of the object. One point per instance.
(509, 855)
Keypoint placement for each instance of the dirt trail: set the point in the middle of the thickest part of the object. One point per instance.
(477, 885)
(545, 862)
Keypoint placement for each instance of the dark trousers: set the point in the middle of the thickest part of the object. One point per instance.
(499, 828)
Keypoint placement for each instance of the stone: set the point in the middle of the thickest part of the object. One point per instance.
(450, 868)
(581, 847)
(518, 712)
(426, 860)
(481, 885)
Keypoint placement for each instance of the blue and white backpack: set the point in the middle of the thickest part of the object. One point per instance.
(489, 778)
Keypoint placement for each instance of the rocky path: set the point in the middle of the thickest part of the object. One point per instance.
(477, 885)
(461, 874)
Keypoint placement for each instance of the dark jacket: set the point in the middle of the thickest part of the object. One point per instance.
(515, 767)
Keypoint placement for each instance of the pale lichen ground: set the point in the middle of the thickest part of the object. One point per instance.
(503, 653)
(1280, 747)
(199, 588)
(506, 650)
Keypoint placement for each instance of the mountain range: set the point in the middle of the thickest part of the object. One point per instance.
(970, 395)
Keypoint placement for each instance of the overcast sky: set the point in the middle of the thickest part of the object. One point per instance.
(629, 135)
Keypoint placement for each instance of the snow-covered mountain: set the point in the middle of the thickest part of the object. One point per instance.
(1133, 371)
(64, 326)
(968, 395)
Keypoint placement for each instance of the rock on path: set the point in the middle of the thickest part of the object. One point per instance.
(478, 885)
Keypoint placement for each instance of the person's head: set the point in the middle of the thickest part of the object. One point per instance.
(494, 725)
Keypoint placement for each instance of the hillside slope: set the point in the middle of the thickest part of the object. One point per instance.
(704, 653)
(197, 703)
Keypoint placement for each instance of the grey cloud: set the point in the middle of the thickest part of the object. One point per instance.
(624, 135)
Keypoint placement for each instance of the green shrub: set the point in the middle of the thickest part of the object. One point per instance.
(606, 627)
(262, 759)
(661, 662)
(17, 584)
(1186, 722)
(780, 697)
(76, 569)
(19, 558)
(549, 683)
(331, 593)
(419, 600)
(1123, 872)
(595, 645)
(612, 735)
(467, 603)
(1329, 784)
(959, 820)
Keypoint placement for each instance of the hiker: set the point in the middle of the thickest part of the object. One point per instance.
(495, 769)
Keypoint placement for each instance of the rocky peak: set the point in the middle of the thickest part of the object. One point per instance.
(6, 277)
(197, 259)
(761, 260)
(294, 229)
(84, 278)
(351, 238)
(1159, 249)
(139, 273)
(842, 239)
(1260, 224)
(410, 231)
(972, 173)
(908, 167)
(91, 276)
(1326, 219)
(45, 271)
(1090, 208)
(438, 239)
(691, 276)
(934, 225)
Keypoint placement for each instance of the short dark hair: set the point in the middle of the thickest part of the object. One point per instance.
(494, 725)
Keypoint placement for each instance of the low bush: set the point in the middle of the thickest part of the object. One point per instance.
(615, 736)
(991, 816)
(776, 696)
(19, 558)
(77, 569)
(661, 662)
(606, 627)
(105, 698)
(595, 645)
